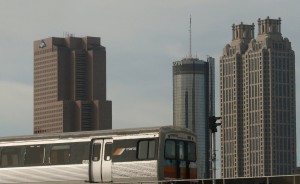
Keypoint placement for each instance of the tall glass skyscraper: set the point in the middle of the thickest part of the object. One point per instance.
(193, 103)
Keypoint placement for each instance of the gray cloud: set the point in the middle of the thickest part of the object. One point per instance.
(16, 108)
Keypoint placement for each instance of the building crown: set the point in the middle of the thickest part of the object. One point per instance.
(242, 31)
(269, 26)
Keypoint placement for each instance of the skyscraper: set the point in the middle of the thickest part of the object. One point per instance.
(193, 103)
(70, 85)
(257, 88)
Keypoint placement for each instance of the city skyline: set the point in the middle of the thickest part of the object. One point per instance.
(141, 44)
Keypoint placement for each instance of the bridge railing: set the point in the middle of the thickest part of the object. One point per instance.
(289, 179)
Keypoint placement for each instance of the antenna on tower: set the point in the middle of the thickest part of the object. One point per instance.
(190, 54)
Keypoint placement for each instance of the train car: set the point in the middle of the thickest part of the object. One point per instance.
(130, 155)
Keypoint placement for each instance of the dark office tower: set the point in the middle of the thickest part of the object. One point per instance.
(193, 103)
(70, 85)
(257, 88)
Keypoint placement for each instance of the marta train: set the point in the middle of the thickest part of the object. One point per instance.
(142, 154)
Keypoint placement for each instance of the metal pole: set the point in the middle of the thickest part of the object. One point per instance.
(213, 158)
(213, 129)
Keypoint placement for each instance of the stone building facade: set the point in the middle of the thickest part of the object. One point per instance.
(257, 99)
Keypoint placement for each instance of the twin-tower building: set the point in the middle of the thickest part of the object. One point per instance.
(258, 107)
(257, 102)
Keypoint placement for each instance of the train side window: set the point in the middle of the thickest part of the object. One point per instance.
(34, 155)
(151, 151)
(143, 149)
(79, 152)
(107, 153)
(10, 157)
(146, 149)
(191, 152)
(170, 149)
(60, 154)
(96, 151)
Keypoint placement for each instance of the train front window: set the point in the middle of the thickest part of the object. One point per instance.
(181, 150)
(170, 149)
(191, 151)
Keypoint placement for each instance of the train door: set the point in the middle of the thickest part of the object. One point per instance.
(100, 160)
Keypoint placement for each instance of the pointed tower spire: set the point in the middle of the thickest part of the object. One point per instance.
(190, 51)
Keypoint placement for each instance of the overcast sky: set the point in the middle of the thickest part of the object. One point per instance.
(142, 39)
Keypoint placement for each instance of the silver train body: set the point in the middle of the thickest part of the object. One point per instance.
(145, 154)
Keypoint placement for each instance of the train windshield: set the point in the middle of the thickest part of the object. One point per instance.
(180, 159)
(180, 150)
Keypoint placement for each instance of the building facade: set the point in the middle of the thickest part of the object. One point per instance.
(70, 85)
(257, 95)
(193, 103)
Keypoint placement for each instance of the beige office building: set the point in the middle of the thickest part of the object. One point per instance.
(70, 85)
(257, 88)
